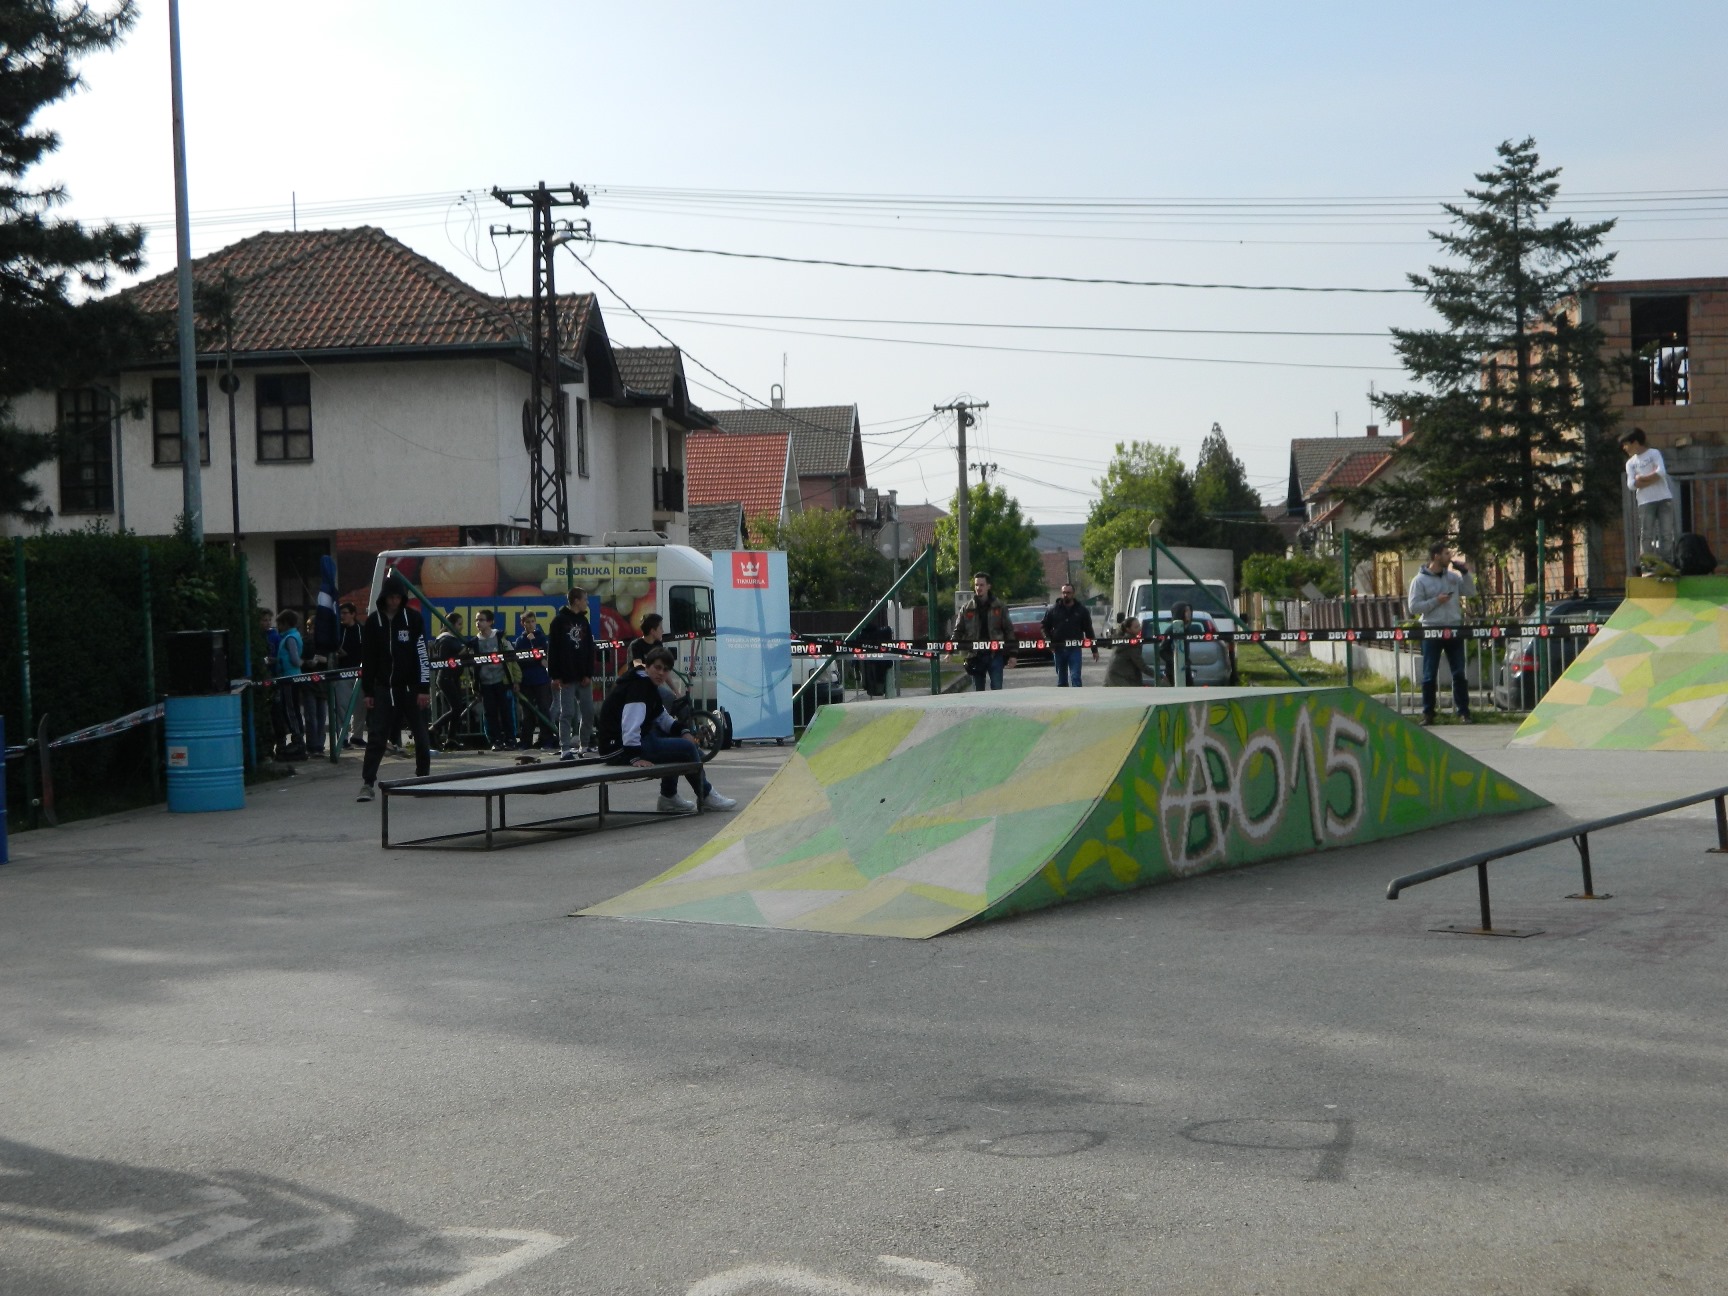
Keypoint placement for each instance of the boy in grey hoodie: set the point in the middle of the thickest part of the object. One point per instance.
(1437, 595)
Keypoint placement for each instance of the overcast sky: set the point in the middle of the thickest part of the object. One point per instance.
(1349, 122)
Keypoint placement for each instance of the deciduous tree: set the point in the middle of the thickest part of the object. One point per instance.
(828, 564)
(999, 542)
(1144, 481)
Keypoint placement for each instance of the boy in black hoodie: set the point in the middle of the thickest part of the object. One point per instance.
(636, 729)
(395, 678)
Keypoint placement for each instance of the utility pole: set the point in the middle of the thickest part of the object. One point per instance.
(191, 446)
(963, 419)
(545, 424)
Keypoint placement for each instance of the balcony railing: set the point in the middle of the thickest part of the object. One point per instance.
(668, 490)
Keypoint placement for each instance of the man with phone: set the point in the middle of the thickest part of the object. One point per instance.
(1437, 595)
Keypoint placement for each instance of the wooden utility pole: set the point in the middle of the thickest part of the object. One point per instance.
(963, 419)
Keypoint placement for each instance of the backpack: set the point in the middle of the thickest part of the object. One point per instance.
(1692, 555)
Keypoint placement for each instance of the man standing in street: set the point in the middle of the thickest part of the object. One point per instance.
(571, 666)
(1068, 619)
(396, 679)
(985, 619)
(1647, 478)
(1436, 595)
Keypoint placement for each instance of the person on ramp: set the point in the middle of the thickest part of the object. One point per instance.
(1647, 479)
(395, 679)
(636, 729)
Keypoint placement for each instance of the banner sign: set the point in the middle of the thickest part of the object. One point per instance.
(753, 626)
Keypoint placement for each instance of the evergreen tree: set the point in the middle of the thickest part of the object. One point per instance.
(1230, 503)
(1511, 421)
(999, 541)
(48, 340)
(1144, 481)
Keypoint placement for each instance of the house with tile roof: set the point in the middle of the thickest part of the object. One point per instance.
(1312, 457)
(827, 451)
(754, 470)
(380, 402)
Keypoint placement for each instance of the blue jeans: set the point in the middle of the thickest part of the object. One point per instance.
(1067, 666)
(987, 664)
(1454, 650)
(662, 750)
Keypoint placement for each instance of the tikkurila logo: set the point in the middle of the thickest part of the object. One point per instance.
(749, 571)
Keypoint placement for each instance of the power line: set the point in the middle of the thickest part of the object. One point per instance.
(999, 274)
(672, 312)
(1019, 350)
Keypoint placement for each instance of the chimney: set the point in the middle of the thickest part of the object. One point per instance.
(1374, 429)
(1403, 427)
(777, 396)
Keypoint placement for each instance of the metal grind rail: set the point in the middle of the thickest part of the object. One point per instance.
(1579, 835)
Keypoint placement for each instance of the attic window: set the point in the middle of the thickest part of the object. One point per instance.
(1661, 362)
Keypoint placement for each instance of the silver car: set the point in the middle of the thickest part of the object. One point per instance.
(1210, 662)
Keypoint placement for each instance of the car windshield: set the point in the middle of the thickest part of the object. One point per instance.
(1171, 593)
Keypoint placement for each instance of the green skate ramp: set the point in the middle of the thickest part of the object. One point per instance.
(1655, 678)
(911, 816)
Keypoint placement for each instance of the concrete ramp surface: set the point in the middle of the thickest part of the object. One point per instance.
(911, 816)
(1655, 678)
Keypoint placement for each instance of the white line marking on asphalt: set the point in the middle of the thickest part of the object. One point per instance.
(941, 1280)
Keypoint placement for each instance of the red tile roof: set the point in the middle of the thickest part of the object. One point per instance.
(1349, 470)
(355, 289)
(749, 467)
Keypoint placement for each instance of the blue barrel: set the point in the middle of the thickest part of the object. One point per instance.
(205, 768)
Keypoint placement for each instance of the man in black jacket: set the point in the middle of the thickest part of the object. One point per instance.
(570, 661)
(1068, 619)
(637, 729)
(346, 657)
(396, 679)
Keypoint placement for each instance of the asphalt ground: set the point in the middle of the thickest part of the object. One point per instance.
(255, 1053)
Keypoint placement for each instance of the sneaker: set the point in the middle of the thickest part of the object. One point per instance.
(568, 756)
(397, 749)
(674, 805)
(1466, 718)
(714, 801)
(1427, 719)
(367, 792)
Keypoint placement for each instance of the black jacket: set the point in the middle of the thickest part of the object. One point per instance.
(1065, 621)
(347, 653)
(393, 649)
(633, 705)
(570, 651)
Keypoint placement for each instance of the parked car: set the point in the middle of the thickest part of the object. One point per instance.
(1515, 680)
(1210, 662)
(1028, 622)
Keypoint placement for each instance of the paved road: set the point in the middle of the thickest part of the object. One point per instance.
(255, 1053)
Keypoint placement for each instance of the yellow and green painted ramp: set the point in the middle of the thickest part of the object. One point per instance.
(1655, 677)
(911, 816)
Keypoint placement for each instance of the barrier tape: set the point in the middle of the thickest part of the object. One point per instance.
(144, 715)
(804, 646)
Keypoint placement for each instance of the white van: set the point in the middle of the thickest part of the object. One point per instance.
(624, 584)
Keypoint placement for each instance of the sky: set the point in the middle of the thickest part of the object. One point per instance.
(1267, 145)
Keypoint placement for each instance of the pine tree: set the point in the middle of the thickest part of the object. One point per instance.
(1511, 422)
(47, 339)
(1230, 503)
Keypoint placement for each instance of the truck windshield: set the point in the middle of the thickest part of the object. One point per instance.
(1209, 598)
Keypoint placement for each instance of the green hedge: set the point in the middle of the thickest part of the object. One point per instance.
(85, 600)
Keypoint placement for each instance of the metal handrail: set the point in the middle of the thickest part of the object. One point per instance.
(1579, 835)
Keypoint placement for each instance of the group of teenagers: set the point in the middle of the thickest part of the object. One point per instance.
(637, 724)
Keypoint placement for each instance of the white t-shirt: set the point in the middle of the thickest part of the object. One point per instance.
(1642, 465)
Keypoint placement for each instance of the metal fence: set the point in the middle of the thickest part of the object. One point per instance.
(1702, 500)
